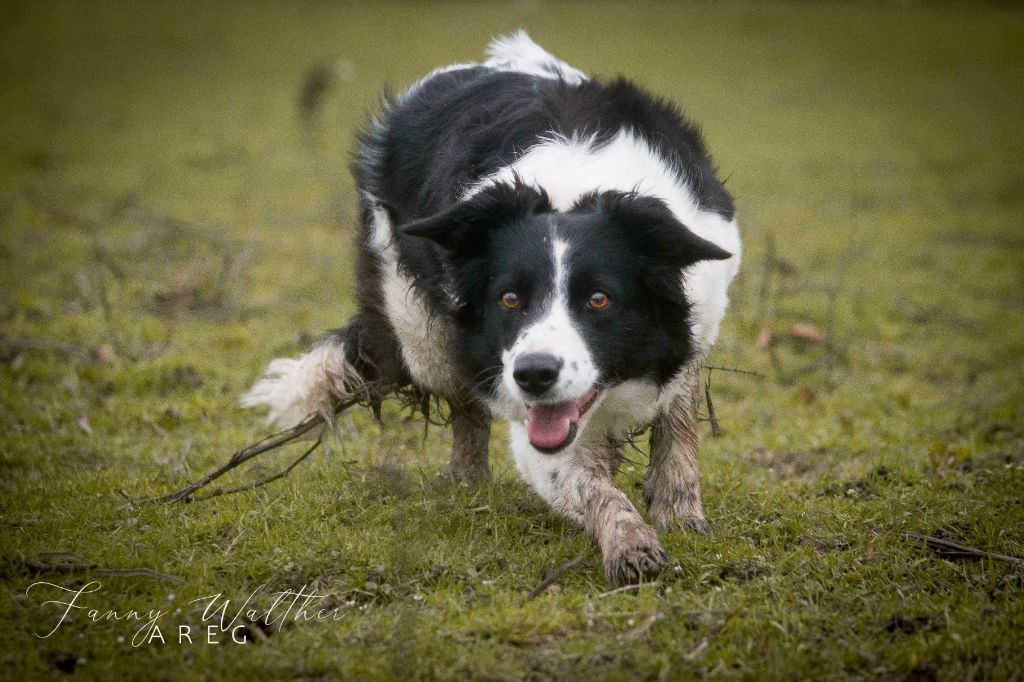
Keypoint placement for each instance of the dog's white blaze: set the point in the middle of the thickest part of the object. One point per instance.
(569, 168)
(558, 249)
(422, 337)
(555, 334)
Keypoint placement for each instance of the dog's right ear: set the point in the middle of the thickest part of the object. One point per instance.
(465, 228)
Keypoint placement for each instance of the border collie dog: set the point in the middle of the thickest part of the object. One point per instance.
(550, 250)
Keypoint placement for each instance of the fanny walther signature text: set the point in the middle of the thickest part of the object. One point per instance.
(219, 615)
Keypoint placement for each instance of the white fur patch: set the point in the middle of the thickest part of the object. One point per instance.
(621, 409)
(569, 168)
(515, 53)
(536, 468)
(423, 337)
(295, 389)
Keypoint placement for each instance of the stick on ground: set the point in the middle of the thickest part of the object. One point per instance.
(556, 575)
(954, 550)
(271, 442)
(716, 428)
(69, 562)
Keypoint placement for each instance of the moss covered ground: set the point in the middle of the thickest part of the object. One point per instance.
(171, 219)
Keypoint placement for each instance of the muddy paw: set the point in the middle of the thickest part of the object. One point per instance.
(683, 511)
(692, 522)
(631, 562)
(698, 524)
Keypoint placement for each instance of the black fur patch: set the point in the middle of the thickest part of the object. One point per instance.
(419, 157)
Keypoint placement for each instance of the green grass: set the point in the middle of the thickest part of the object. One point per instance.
(877, 147)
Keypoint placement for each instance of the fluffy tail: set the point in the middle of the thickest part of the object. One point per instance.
(297, 388)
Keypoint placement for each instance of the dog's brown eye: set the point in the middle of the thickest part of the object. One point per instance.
(598, 300)
(510, 300)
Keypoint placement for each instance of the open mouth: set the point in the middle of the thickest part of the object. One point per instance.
(553, 427)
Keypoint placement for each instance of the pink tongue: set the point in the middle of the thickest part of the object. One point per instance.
(548, 425)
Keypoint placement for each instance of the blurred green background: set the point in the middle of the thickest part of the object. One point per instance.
(172, 217)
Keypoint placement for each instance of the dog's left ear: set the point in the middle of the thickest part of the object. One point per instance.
(459, 228)
(655, 230)
(464, 229)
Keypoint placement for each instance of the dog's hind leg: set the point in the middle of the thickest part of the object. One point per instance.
(672, 484)
(294, 389)
(471, 429)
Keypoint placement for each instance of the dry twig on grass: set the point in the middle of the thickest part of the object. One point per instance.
(11, 348)
(716, 428)
(69, 562)
(735, 370)
(954, 550)
(556, 575)
(272, 442)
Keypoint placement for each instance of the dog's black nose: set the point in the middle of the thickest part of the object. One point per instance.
(537, 372)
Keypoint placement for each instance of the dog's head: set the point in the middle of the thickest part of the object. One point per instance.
(553, 309)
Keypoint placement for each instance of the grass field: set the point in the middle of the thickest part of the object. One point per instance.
(169, 222)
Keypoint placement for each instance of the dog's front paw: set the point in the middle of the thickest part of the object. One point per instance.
(637, 557)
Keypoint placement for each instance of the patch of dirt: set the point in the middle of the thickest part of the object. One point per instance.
(181, 376)
(532, 639)
(860, 488)
(835, 543)
(386, 479)
(713, 620)
(790, 464)
(743, 571)
(63, 661)
(909, 624)
(926, 672)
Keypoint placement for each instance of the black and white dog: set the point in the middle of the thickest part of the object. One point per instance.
(548, 249)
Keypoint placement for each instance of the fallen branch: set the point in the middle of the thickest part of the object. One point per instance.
(263, 481)
(9, 348)
(69, 562)
(271, 442)
(716, 428)
(954, 550)
(735, 370)
(556, 575)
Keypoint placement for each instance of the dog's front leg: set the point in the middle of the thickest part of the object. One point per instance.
(471, 429)
(672, 484)
(579, 485)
